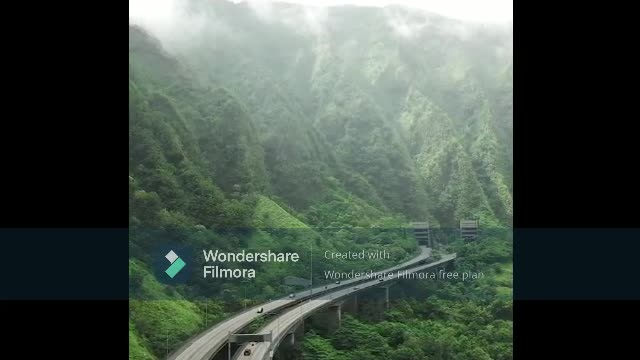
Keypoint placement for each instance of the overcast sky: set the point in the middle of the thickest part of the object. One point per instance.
(486, 11)
(492, 11)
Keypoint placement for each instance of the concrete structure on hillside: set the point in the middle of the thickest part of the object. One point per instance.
(469, 229)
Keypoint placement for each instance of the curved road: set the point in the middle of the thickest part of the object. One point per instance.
(284, 323)
(208, 343)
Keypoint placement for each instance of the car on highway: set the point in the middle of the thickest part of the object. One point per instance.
(338, 282)
(260, 310)
(247, 352)
(291, 296)
(355, 288)
(381, 279)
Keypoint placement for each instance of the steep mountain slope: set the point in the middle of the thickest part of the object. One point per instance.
(341, 92)
(197, 172)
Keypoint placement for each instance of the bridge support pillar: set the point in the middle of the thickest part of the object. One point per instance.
(328, 319)
(292, 342)
(379, 301)
(335, 313)
(351, 304)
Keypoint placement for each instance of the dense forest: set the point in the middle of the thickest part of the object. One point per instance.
(327, 126)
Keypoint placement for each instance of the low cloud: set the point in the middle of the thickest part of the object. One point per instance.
(262, 8)
(302, 17)
(405, 23)
(176, 23)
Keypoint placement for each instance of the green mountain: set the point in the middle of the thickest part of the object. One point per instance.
(319, 120)
(337, 99)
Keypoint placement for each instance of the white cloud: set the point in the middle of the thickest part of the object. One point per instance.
(175, 23)
(167, 19)
(403, 25)
(262, 8)
(153, 13)
(306, 19)
(485, 11)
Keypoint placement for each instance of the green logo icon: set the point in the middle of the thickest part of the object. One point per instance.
(176, 264)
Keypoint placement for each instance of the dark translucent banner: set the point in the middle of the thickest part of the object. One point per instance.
(252, 265)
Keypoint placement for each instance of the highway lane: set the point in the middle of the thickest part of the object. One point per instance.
(284, 323)
(208, 343)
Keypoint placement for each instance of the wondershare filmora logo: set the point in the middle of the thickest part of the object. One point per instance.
(177, 264)
(173, 263)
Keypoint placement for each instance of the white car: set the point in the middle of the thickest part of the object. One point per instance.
(260, 310)
(291, 296)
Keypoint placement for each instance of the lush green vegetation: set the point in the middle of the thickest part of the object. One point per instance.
(333, 136)
(433, 320)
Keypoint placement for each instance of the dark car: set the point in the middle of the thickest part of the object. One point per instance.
(247, 352)
(381, 279)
